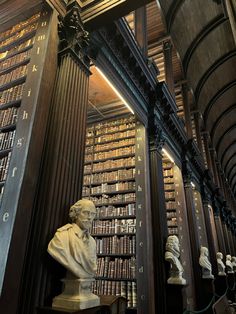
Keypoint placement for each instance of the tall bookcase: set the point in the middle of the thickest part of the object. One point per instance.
(177, 222)
(26, 81)
(109, 181)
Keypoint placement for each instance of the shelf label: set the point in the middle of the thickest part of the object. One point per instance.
(29, 92)
(19, 142)
(25, 115)
(35, 68)
(41, 37)
(140, 270)
(139, 206)
(5, 217)
(14, 172)
(44, 24)
(38, 51)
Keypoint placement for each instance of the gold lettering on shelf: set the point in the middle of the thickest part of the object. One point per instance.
(139, 188)
(38, 50)
(139, 158)
(142, 297)
(13, 172)
(44, 24)
(139, 172)
(19, 142)
(140, 224)
(45, 13)
(5, 217)
(138, 130)
(25, 115)
(138, 146)
(140, 270)
(41, 37)
(139, 138)
(35, 68)
(139, 206)
(29, 93)
(141, 244)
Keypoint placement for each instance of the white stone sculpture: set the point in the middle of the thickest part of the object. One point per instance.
(172, 255)
(220, 264)
(229, 266)
(74, 248)
(233, 260)
(205, 263)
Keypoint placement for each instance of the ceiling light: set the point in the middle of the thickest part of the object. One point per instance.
(114, 89)
(168, 155)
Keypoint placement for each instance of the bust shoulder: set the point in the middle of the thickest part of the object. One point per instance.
(64, 228)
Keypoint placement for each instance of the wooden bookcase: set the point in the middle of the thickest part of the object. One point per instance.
(109, 181)
(26, 81)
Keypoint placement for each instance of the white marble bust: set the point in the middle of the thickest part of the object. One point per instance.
(233, 260)
(220, 264)
(74, 248)
(205, 263)
(229, 266)
(172, 255)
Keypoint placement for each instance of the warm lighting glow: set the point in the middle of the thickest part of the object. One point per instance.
(193, 185)
(168, 155)
(114, 89)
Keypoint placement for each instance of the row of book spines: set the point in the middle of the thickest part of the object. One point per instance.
(29, 29)
(168, 180)
(105, 177)
(116, 245)
(168, 172)
(18, 48)
(7, 139)
(173, 230)
(118, 198)
(19, 72)
(126, 289)
(11, 94)
(113, 145)
(170, 194)
(8, 116)
(4, 165)
(114, 226)
(171, 215)
(109, 164)
(119, 152)
(19, 26)
(116, 269)
(167, 165)
(170, 205)
(101, 126)
(109, 211)
(169, 186)
(110, 137)
(108, 188)
(172, 222)
(7, 63)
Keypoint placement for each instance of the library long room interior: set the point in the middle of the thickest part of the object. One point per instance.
(128, 106)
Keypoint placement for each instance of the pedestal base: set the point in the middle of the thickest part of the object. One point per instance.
(174, 299)
(77, 295)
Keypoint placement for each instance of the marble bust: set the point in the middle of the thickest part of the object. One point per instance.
(220, 264)
(229, 266)
(172, 255)
(74, 248)
(205, 263)
(233, 260)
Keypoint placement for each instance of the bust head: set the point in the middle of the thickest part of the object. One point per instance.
(228, 257)
(82, 213)
(172, 245)
(219, 255)
(204, 251)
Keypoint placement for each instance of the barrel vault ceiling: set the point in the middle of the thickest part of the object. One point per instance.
(202, 35)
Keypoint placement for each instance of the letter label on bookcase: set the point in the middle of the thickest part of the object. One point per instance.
(5, 217)
(13, 172)
(25, 115)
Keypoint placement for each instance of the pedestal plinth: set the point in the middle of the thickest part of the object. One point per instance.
(174, 299)
(77, 295)
(231, 287)
(207, 293)
(220, 285)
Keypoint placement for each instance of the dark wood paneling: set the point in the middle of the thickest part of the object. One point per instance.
(172, 12)
(221, 138)
(226, 150)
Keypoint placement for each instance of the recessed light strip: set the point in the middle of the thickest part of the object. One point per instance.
(114, 89)
(168, 155)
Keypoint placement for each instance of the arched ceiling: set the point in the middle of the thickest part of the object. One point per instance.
(201, 32)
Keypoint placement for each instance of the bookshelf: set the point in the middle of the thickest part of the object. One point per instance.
(16, 46)
(109, 181)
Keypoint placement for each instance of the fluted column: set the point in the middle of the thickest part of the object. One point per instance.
(196, 116)
(207, 151)
(62, 166)
(169, 75)
(187, 114)
(156, 142)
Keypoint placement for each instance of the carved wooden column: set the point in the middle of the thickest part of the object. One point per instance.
(187, 114)
(140, 24)
(214, 168)
(208, 224)
(196, 116)
(62, 167)
(207, 151)
(225, 230)
(169, 75)
(194, 239)
(158, 213)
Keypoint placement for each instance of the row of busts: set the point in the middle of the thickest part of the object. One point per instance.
(172, 255)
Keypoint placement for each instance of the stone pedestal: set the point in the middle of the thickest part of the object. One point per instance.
(231, 287)
(174, 299)
(77, 295)
(207, 292)
(220, 285)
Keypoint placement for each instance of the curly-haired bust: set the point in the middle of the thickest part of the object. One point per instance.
(72, 245)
